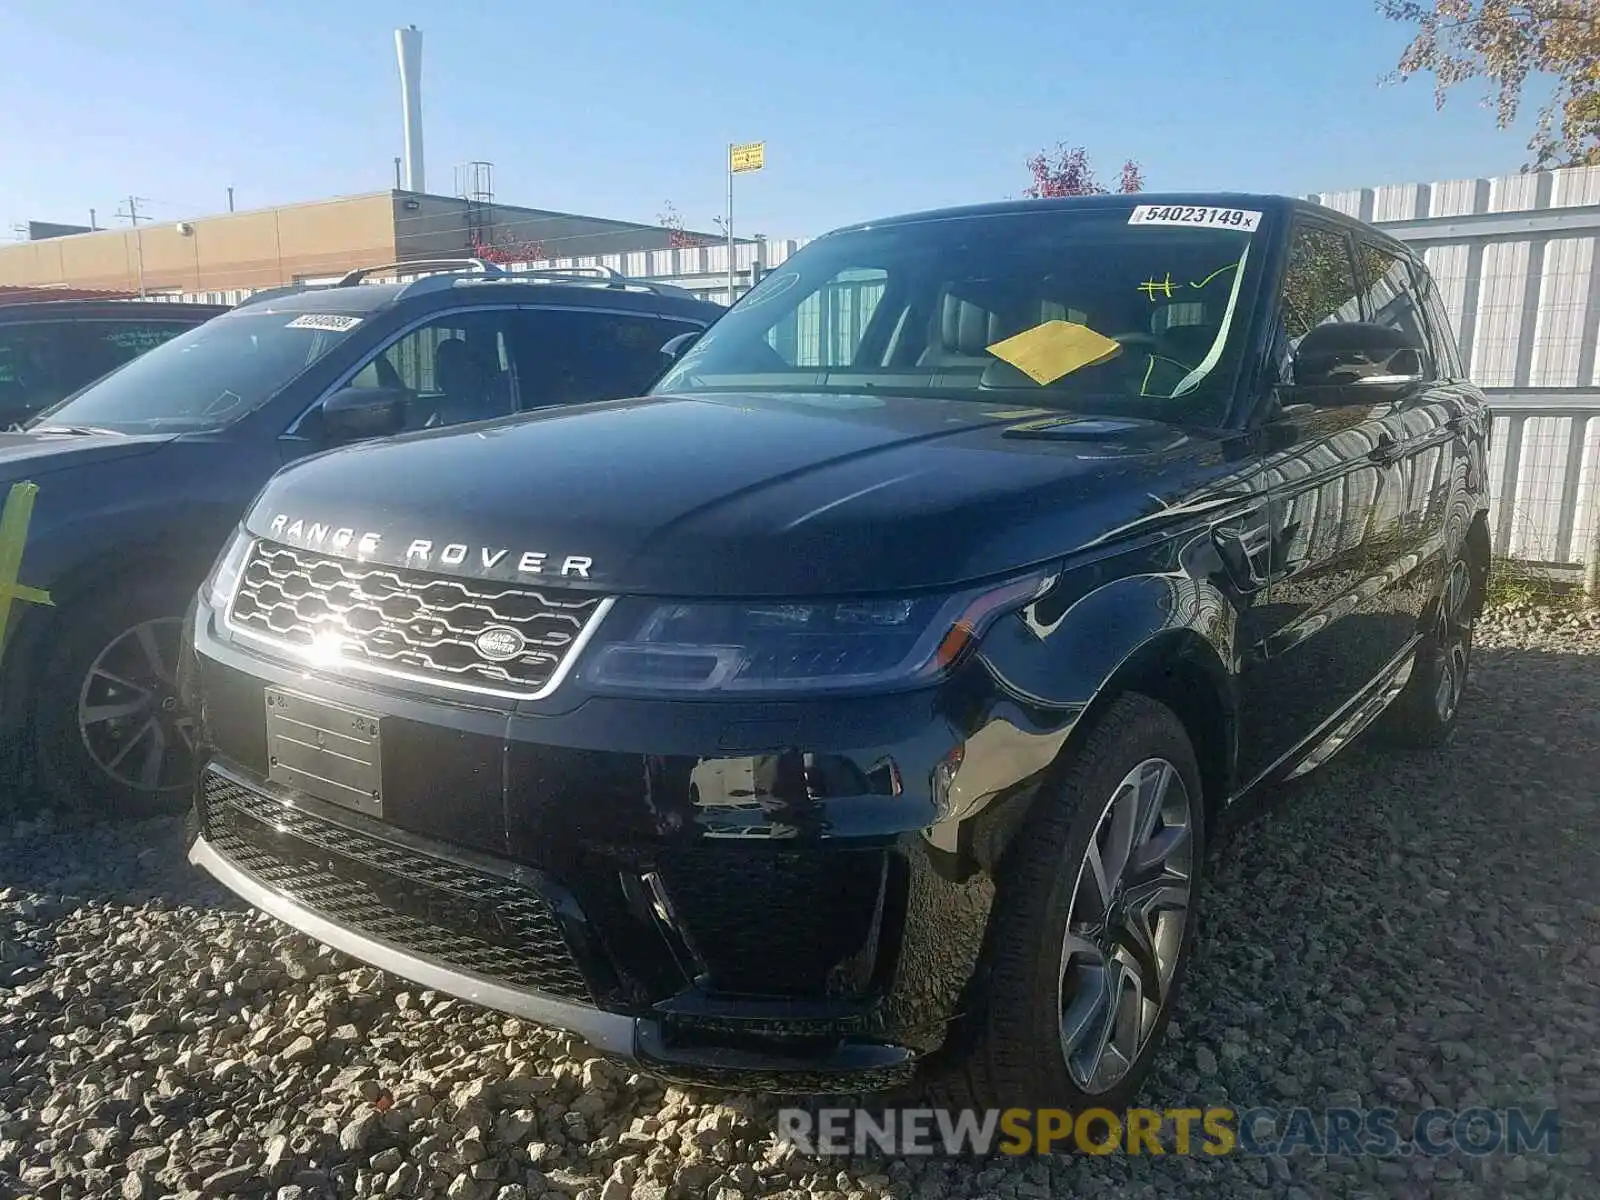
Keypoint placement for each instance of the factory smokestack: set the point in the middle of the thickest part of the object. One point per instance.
(408, 46)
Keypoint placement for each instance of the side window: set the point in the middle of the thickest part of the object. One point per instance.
(100, 347)
(1447, 352)
(825, 329)
(1319, 285)
(1319, 288)
(572, 356)
(35, 368)
(456, 368)
(1390, 296)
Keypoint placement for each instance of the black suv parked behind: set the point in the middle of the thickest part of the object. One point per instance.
(125, 492)
(51, 348)
(866, 695)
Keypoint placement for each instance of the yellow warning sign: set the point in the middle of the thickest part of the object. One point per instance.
(751, 156)
(1054, 349)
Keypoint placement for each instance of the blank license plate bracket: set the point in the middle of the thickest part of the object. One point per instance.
(325, 750)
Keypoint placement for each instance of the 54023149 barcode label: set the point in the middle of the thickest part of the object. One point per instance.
(1242, 219)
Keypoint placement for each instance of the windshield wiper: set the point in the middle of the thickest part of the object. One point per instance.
(79, 430)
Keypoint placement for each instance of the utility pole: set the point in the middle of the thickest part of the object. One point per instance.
(230, 199)
(92, 225)
(752, 156)
(132, 217)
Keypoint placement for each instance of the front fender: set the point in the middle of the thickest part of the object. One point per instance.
(95, 552)
(1167, 633)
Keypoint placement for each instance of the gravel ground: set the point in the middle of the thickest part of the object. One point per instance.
(1404, 931)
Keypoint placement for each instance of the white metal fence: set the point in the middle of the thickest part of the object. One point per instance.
(1515, 259)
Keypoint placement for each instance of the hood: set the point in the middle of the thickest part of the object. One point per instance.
(29, 455)
(743, 495)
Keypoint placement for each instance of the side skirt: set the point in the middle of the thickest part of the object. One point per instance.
(1337, 732)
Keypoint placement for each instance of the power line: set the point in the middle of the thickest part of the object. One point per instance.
(132, 217)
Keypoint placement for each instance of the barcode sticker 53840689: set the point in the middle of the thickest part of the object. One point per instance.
(1243, 219)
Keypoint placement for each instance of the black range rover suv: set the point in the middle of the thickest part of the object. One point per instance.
(118, 499)
(864, 697)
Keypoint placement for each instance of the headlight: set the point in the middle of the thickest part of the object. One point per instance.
(224, 577)
(783, 647)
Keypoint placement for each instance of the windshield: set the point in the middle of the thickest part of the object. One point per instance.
(1137, 310)
(206, 378)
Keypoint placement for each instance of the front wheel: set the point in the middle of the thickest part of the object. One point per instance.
(1093, 925)
(110, 733)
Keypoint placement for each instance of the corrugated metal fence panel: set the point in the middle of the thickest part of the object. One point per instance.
(1517, 268)
(1545, 472)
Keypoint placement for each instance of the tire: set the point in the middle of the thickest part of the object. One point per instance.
(104, 706)
(1015, 1051)
(1424, 715)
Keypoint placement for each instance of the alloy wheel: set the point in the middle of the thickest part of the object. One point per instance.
(1452, 634)
(129, 716)
(1125, 925)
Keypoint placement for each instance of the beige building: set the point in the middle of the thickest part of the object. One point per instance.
(272, 246)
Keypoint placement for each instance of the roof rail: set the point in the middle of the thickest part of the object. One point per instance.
(611, 276)
(351, 278)
(604, 272)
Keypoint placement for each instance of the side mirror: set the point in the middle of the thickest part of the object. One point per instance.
(676, 347)
(364, 412)
(1356, 356)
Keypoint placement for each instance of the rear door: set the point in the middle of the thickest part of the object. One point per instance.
(1333, 528)
(574, 355)
(1429, 420)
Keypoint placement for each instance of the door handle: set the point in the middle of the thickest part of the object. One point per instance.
(1385, 452)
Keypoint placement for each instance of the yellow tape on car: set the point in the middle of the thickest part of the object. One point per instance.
(14, 519)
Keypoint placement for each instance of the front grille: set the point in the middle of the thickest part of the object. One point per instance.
(465, 919)
(409, 623)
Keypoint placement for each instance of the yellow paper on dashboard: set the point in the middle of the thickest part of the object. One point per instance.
(1054, 349)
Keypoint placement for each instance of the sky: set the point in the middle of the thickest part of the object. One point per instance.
(616, 107)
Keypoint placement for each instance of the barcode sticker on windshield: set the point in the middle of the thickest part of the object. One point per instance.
(1244, 219)
(337, 322)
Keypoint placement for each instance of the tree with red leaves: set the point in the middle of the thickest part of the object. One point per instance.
(1067, 172)
(508, 250)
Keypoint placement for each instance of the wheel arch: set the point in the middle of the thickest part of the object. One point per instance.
(1178, 668)
(106, 570)
(1183, 671)
(1479, 550)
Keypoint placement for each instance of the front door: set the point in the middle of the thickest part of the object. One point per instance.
(1335, 527)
